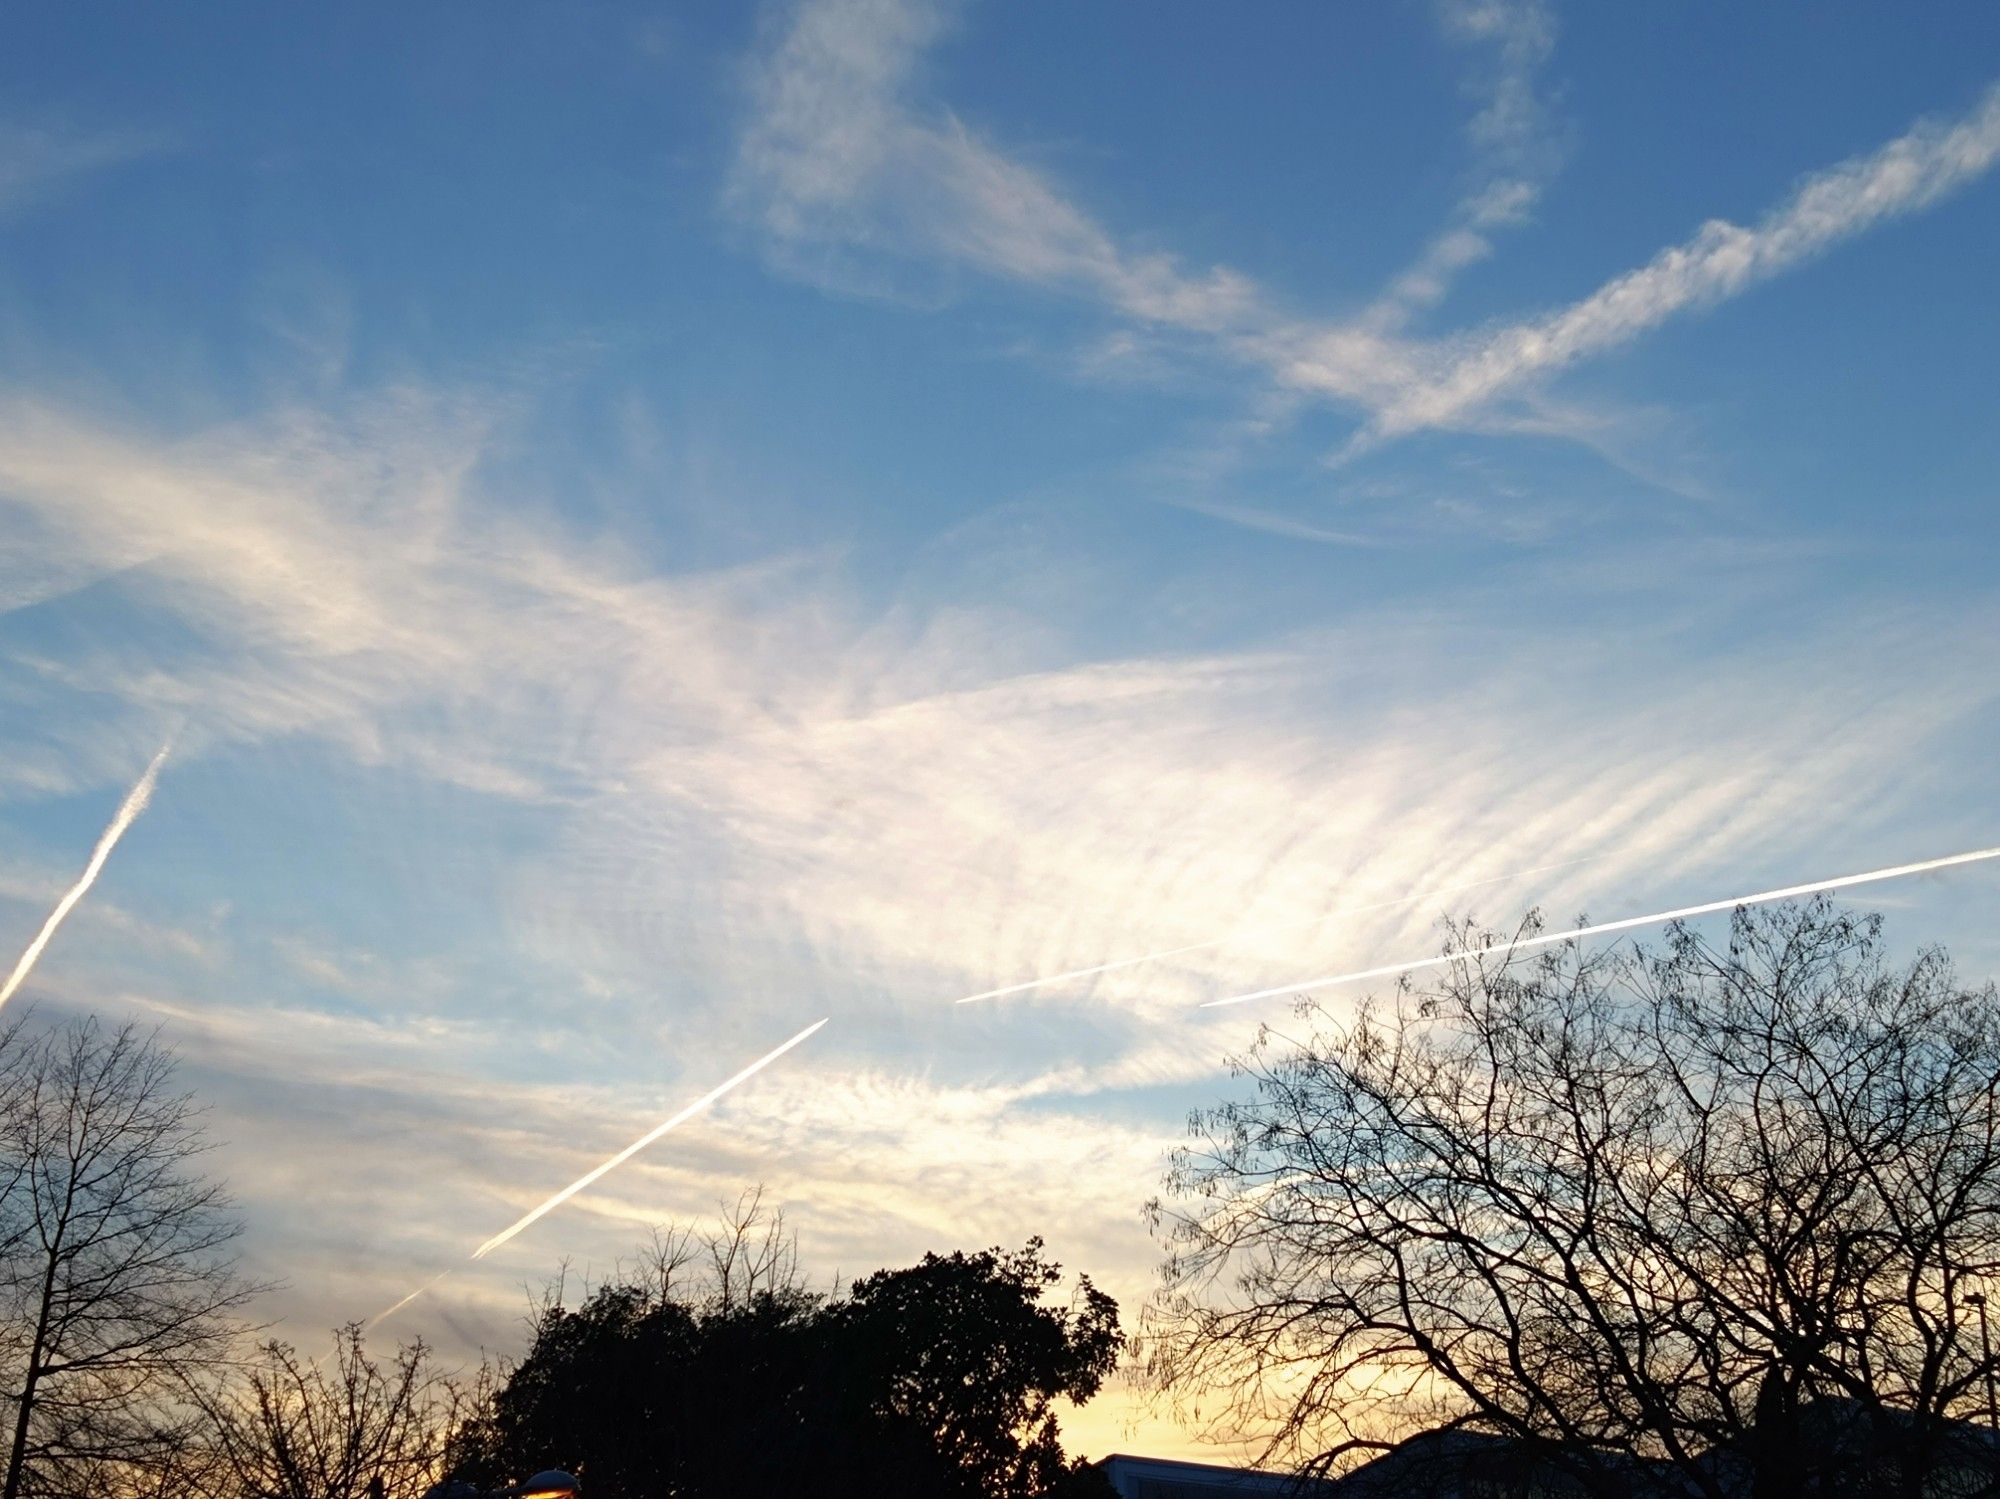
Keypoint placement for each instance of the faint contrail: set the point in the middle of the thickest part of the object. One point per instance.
(641, 1143)
(128, 811)
(1761, 898)
(386, 1313)
(1174, 952)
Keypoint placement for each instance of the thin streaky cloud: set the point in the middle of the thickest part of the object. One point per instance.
(1763, 897)
(1910, 173)
(1174, 952)
(1511, 133)
(1255, 518)
(128, 813)
(35, 159)
(836, 159)
(641, 1143)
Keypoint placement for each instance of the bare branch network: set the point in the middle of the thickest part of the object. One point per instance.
(1713, 1214)
(117, 1272)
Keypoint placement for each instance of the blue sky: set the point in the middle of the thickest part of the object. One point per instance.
(651, 527)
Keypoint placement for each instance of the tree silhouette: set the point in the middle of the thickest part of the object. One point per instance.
(348, 1426)
(116, 1277)
(937, 1379)
(960, 1349)
(1716, 1213)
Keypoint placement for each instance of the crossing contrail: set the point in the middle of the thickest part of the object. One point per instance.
(1652, 919)
(128, 812)
(641, 1143)
(1174, 952)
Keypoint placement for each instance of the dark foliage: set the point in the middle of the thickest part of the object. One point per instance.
(938, 1379)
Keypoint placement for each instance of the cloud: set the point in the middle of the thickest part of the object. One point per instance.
(619, 1157)
(40, 887)
(1505, 947)
(1271, 522)
(1512, 137)
(1512, 124)
(36, 159)
(1197, 798)
(828, 116)
(752, 796)
(1723, 259)
(835, 158)
(749, 762)
(838, 159)
(1491, 380)
(835, 154)
(378, 1160)
(342, 575)
(752, 799)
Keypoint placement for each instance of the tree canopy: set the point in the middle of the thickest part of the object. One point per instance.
(940, 1378)
(1667, 1211)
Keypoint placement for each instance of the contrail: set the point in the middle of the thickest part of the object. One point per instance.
(611, 1165)
(128, 812)
(641, 1143)
(383, 1316)
(1761, 898)
(1174, 952)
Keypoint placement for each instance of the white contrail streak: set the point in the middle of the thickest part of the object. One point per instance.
(1174, 952)
(383, 1316)
(128, 812)
(1654, 918)
(641, 1143)
(611, 1165)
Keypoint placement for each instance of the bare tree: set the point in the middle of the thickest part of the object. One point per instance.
(117, 1279)
(1708, 1215)
(348, 1427)
(751, 1252)
(669, 1249)
(15, 1224)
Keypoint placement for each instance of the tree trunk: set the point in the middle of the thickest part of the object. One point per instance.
(17, 1455)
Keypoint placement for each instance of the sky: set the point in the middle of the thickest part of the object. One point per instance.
(646, 528)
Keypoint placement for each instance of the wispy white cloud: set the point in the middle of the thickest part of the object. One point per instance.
(1256, 518)
(828, 111)
(35, 159)
(748, 789)
(1513, 139)
(1506, 946)
(33, 887)
(1490, 380)
(1414, 898)
(840, 157)
(872, 1160)
(1908, 174)
(1512, 123)
(351, 581)
(836, 157)
(746, 762)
